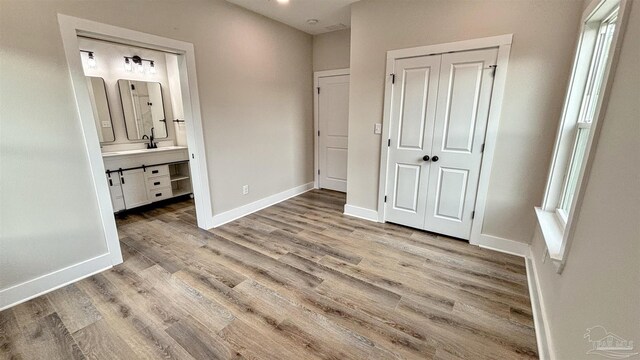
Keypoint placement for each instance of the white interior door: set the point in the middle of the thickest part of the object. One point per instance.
(333, 126)
(413, 112)
(464, 96)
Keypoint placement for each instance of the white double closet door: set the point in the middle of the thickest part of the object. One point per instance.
(439, 110)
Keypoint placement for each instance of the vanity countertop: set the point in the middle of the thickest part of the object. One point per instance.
(141, 151)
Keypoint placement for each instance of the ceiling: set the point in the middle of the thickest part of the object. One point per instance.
(331, 14)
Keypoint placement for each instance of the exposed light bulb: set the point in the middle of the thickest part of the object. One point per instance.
(91, 61)
(127, 64)
(140, 68)
(152, 68)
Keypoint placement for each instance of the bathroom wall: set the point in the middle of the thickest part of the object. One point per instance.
(175, 91)
(110, 66)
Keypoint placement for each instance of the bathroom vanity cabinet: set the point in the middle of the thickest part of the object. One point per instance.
(141, 177)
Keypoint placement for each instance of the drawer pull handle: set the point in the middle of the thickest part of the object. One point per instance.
(154, 171)
(158, 194)
(156, 183)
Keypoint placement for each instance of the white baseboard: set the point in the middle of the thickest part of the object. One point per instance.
(537, 307)
(245, 210)
(46, 283)
(362, 213)
(503, 245)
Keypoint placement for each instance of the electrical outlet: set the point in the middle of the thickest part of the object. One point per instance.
(245, 189)
(106, 124)
(377, 128)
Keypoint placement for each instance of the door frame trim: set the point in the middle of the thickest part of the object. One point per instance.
(503, 44)
(70, 28)
(316, 118)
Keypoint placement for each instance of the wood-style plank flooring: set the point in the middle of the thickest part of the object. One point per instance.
(298, 280)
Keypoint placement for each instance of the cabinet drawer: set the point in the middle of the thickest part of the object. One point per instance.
(160, 170)
(160, 194)
(158, 182)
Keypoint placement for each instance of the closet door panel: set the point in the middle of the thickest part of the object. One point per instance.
(464, 94)
(411, 128)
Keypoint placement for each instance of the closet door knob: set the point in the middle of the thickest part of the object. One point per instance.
(425, 158)
(435, 158)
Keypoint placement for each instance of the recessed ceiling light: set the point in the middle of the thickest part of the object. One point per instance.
(283, 1)
(312, 21)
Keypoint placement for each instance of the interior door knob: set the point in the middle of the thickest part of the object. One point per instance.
(425, 158)
(434, 159)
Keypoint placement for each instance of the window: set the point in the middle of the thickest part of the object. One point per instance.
(590, 99)
(584, 104)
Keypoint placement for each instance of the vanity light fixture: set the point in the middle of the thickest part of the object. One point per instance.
(91, 60)
(129, 62)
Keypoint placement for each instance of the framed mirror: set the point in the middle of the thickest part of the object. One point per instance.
(143, 109)
(101, 112)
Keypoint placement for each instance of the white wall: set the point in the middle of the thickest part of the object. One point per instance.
(544, 34)
(332, 50)
(600, 284)
(110, 67)
(254, 78)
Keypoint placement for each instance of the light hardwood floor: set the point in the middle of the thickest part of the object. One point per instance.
(298, 280)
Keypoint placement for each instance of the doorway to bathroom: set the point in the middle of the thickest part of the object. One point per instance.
(137, 105)
(139, 108)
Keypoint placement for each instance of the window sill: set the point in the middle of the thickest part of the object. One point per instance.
(552, 233)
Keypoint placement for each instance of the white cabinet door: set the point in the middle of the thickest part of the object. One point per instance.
(117, 200)
(413, 112)
(333, 123)
(464, 96)
(134, 189)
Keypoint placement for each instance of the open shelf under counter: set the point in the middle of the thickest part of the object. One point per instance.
(178, 178)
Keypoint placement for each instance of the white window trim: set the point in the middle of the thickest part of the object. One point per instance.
(556, 226)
